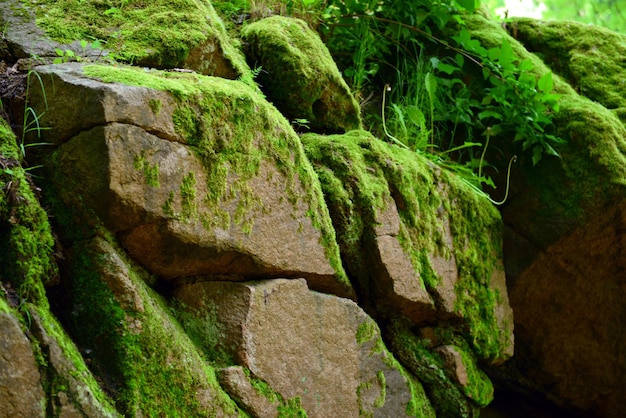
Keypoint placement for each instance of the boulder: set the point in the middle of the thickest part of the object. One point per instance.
(136, 348)
(320, 349)
(563, 248)
(299, 76)
(406, 237)
(149, 34)
(192, 187)
(21, 392)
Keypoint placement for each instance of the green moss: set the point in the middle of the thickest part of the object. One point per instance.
(299, 74)
(188, 197)
(588, 57)
(150, 171)
(159, 33)
(155, 106)
(479, 388)
(382, 381)
(291, 408)
(446, 397)
(150, 364)
(168, 208)
(55, 381)
(418, 405)
(26, 242)
(234, 130)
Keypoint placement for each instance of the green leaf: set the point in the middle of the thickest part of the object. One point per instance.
(489, 114)
(469, 5)
(537, 154)
(415, 115)
(545, 83)
(526, 65)
(446, 68)
(430, 82)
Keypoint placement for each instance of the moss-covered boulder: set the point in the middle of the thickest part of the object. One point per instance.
(299, 76)
(153, 34)
(44, 374)
(563, 253)
(137, 348)
(449, 283)
(198, 175)
(588, 57)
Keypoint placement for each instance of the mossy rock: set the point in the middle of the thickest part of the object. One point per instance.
(299, 76)
(590, 58)
(137, 349)
(158, 34)
(450, 235)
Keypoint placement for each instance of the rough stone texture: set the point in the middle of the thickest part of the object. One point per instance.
(236, 383)
(127, 163)
(72, 387)
(138, 351)
(303, 344)
(299, 76)
(401, 239)
(569, 311)
(563, 244)
(21, 394)
(21, 38)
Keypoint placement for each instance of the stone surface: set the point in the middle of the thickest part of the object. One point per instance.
(304, 344)
(136, 348)
(406, 240)
(569, 311)
(299, 76)
(176, 213)
(72, 388)
(237, 384)
(190, 36)
(564, 251)
(21, 393)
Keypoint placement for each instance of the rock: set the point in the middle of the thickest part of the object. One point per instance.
(234, 381)
(563, 246)
(405, 237)
(21, 393)
(191, 189)
(141, 356)
(71, 387)
(317, 348)
(299, 76)
(150, 34)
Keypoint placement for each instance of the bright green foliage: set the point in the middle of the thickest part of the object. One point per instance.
(449, 94)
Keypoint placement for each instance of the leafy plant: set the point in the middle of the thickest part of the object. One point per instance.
(435, 106)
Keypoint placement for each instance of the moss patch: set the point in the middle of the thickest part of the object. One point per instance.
(590, 58)
(148, 362)
(163, 33)
(26, 242)
(233, 130)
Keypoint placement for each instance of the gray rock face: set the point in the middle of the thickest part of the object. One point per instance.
(21, 393)
(319, 348)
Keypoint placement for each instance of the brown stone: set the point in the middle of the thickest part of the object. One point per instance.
(21, 393)
(569, 313)
(236, 383)
(303, 344)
